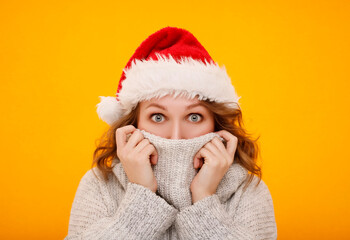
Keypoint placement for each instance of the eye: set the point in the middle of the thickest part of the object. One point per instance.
(195, 117)
(157, 117)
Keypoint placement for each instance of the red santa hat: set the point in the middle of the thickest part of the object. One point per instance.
(170, 61)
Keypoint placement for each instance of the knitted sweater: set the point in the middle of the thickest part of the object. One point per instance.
(119, 209)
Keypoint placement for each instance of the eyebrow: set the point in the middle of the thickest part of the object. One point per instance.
(165, 109)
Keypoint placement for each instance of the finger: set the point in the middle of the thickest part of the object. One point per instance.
(197, 162)
(231, 140)
(221, 147)
(207, 155)
(141, 145)
(121, 134)
(214, 150)
(151, 151)
(219, 144)
(154, 157)
(134, 139)
(197, 159)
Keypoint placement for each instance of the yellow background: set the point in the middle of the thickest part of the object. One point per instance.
(289, 60)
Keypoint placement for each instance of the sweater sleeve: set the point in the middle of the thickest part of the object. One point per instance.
(209, 219)
(141, 214)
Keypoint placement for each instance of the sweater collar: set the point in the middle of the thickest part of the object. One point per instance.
(233, 178)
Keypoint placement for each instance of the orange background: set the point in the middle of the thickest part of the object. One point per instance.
(289, 60)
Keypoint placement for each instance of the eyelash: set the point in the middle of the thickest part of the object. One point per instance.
(200, 115)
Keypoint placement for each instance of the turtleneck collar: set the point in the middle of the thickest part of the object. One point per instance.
(172, 154)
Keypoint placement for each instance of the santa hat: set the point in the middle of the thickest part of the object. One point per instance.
(170, 61)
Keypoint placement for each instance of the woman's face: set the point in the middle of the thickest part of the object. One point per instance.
(175, 118)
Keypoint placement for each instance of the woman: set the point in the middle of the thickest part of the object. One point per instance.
(176, 162)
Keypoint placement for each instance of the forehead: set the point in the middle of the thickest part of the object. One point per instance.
(169, 100)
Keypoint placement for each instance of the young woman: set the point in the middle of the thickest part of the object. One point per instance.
(176, 162)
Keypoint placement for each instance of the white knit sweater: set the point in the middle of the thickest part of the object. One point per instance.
(120, 209)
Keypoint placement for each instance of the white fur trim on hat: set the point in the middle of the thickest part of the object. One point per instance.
(156, 78)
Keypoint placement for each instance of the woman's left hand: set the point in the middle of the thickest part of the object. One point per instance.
(217, 160)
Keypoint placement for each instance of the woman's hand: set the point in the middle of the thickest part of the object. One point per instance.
(136, 155)
(217, 160)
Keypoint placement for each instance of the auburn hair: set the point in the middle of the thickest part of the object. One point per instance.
(225, 117)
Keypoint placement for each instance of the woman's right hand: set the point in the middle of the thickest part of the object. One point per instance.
(136, 155)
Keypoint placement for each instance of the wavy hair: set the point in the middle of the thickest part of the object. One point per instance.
(225, 118)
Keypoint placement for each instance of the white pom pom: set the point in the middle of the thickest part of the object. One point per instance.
(109, 109)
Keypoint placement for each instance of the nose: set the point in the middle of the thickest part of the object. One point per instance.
(175, 131)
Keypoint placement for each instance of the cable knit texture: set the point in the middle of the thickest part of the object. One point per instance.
(119, 209)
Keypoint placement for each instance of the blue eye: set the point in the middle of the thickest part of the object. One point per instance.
(157, 116)
(195, 117)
